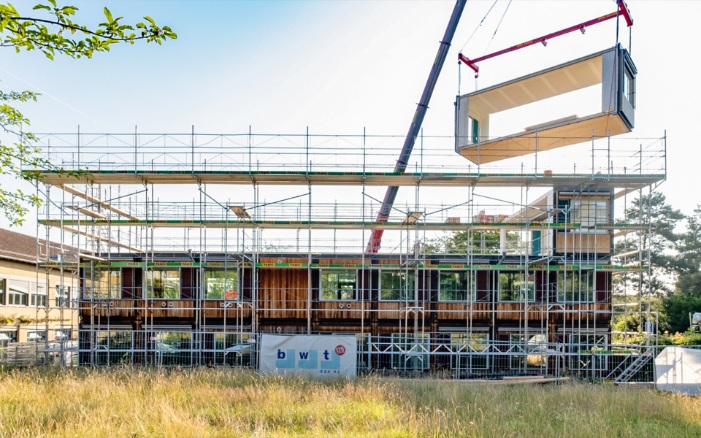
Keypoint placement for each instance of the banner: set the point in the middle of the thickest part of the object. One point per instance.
(317, 355)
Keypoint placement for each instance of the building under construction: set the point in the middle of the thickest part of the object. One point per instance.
(501, 258)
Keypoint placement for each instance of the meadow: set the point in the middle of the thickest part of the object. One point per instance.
(128, 402)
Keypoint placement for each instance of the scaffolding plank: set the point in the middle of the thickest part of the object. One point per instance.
(68, 224)
(432, 179)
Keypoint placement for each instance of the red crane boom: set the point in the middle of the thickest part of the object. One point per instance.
(622, 10)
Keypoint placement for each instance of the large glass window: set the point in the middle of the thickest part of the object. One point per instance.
(516, 286)
(113, 347)
(410, 351)
(172, 348)
(102, 283)
(18, 293)
(590, 352)
(456, 286)
(531, 353)
(163, 284)
(234, 349)
(338, 284)
(470, 350)
(3, 286)
(576, 286)
(221, 284)
(588, 212)
(397, 285)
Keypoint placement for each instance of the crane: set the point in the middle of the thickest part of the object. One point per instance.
(376, 236)
(622, 10)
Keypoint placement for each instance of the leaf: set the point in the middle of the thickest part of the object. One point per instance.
(108, 15)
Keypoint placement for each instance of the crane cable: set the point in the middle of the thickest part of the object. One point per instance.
(479, 25)
(475, 31)
(498, 25)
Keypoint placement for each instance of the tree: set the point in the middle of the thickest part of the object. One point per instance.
(687, 265)
(659, 240)
(53, 32)
(477, 241)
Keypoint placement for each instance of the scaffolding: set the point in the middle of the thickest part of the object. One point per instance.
(193, 245)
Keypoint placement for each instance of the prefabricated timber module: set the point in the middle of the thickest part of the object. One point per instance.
(196, 244)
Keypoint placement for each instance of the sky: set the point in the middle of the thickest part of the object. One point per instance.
(345, 66)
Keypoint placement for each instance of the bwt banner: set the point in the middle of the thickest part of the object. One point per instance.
(315, 355)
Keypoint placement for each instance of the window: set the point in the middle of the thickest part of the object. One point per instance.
(410, 352)
(39, 299)
(63, 334)
(221, 284)
(456, 286)
(8, 336)
(103, 283)
(233, 349)
(36, 335)
(112, 347)
(338, 284)
(3, 287)
(576, 286)
(18, 293)
(172, 348)
(629, 86)
(474, 132)
(588, 352)
(63, 296)
(397, 285)
(163, 284)
(470, 350)
(515, 286)
(531, 354)
(589, 212)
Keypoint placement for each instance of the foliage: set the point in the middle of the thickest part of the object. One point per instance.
(460, 242)
(52, 31)
(688, 337)
(676, 309)
(687, 265)
(660, 241)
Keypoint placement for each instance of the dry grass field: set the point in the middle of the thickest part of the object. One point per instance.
(125, 402)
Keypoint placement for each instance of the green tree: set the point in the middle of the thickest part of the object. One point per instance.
(476, 241)
(654, 247)
(51, 30)
(687, 265)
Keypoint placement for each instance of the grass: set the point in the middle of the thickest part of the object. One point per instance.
(126, 402)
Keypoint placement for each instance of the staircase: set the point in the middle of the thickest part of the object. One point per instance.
(634, 367)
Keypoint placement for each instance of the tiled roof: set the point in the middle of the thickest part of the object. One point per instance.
(23, 248)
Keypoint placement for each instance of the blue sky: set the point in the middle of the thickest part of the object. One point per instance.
(341, 66)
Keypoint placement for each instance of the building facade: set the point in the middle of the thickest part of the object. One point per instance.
(193, 245)
(36, 304)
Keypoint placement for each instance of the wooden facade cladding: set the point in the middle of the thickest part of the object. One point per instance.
(170, 308)
(583, 243)
(581, 312)
(391, 310)
(462, 310)
(111, 308)
(342, 309)
(287, 295)
(229, 310)
(283, 293)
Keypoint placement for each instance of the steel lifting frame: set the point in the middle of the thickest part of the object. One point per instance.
(621, 11)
